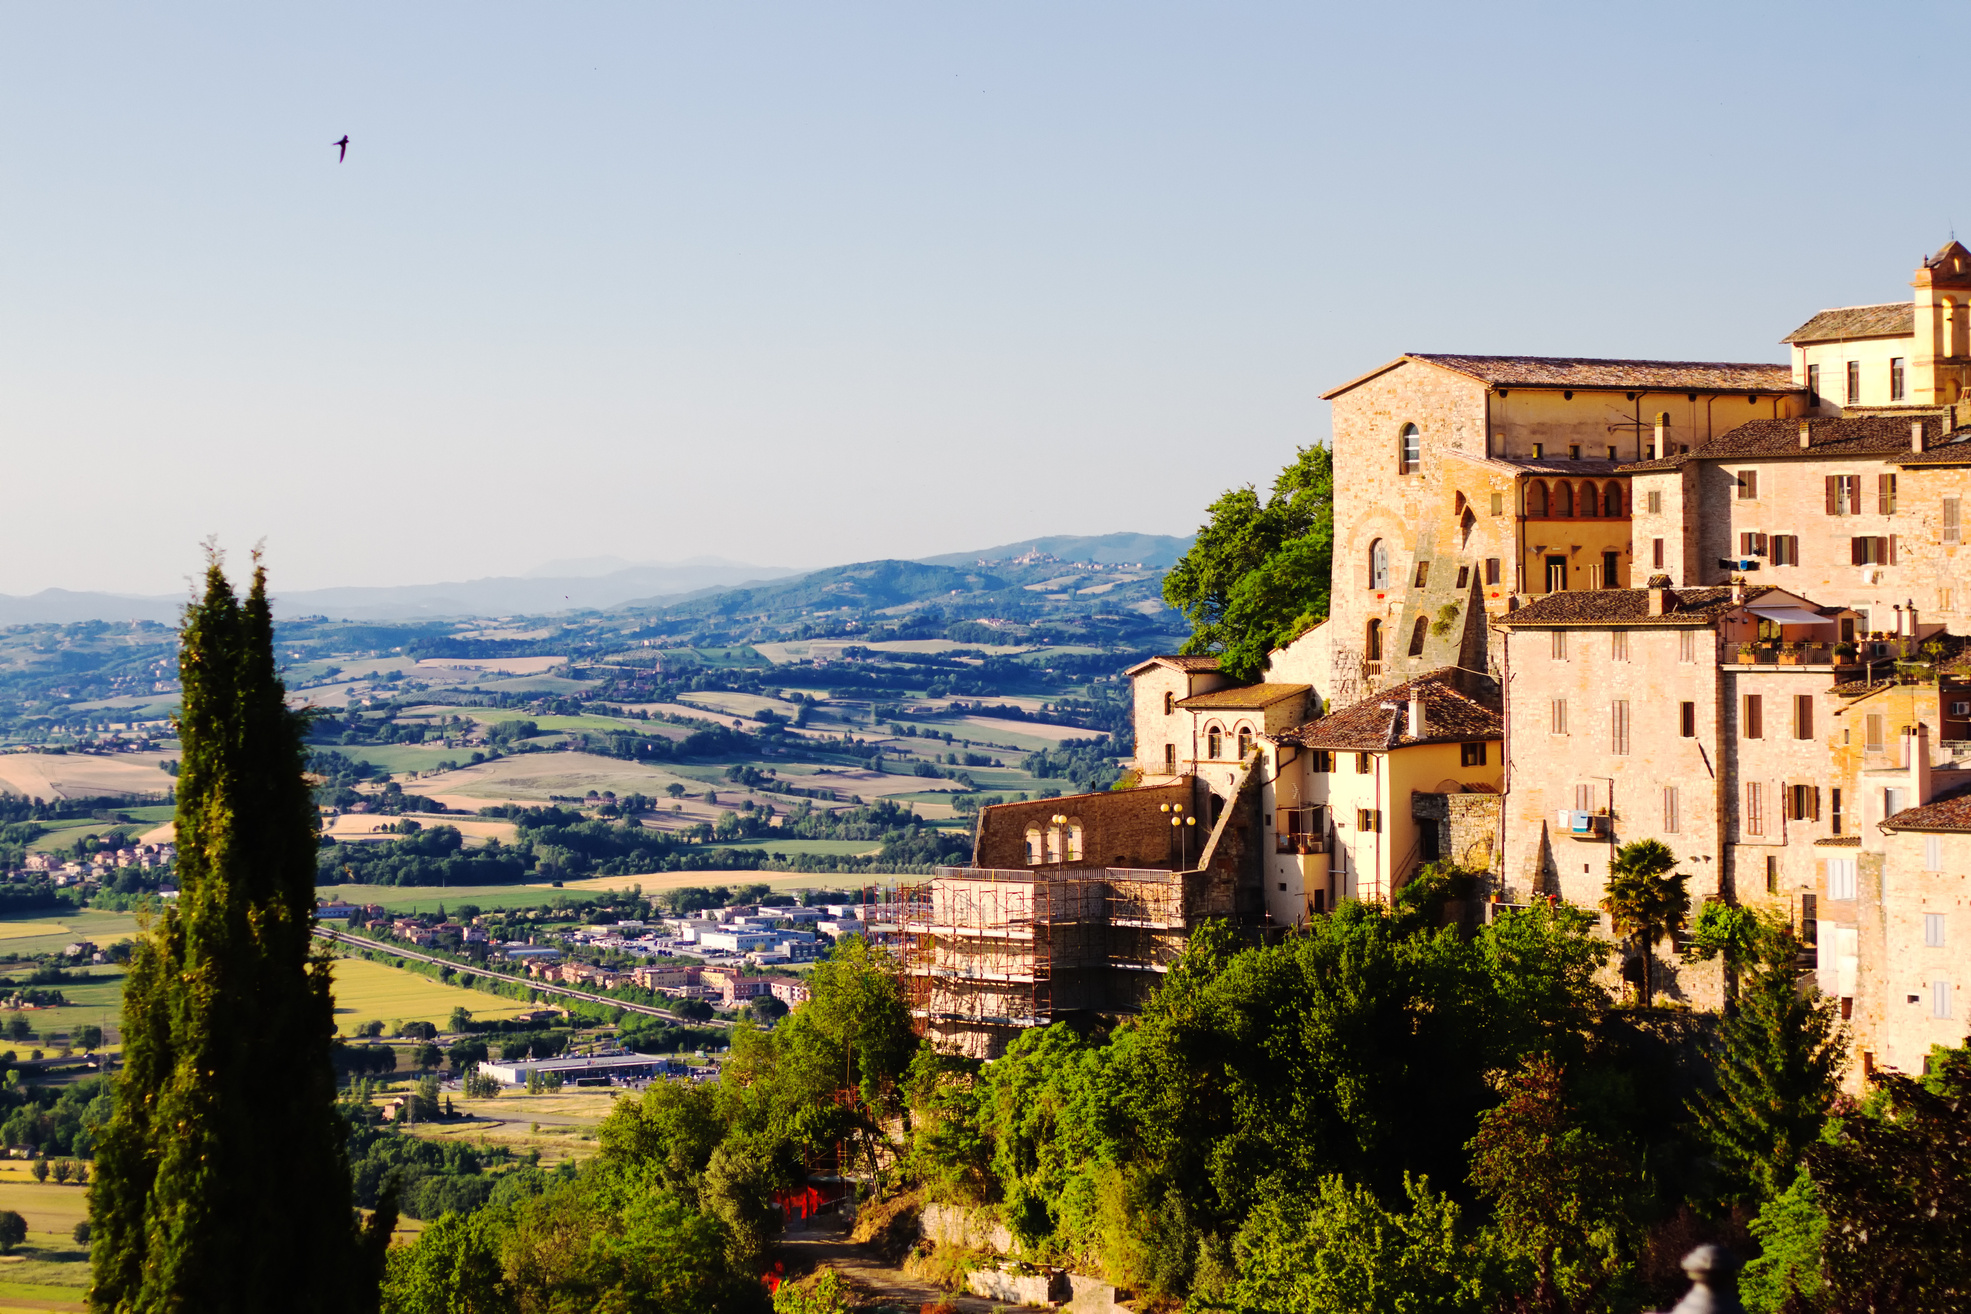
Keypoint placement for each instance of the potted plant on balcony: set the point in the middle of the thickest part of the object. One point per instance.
(1748, 653)
(1844, 652)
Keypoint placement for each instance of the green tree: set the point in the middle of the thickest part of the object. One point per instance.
(461, 1018)
(1557, 1189)
(40, 1170)
(1778, 1065)
(1789, 1229)
(1647, 898)
(1257, 576)
(1726, 931)
(223, 1173)
(13, 1230)
(89, 1037)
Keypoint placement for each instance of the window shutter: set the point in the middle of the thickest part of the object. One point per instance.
(1885, 494)
(1813, 803)
(1834, 495)
(1858, 551)
(1890, 544)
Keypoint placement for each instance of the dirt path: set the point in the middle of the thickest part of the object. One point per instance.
(825, 1240)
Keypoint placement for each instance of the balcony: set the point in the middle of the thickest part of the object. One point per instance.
(1583, 825)
(1797, 654)
(1301, 830)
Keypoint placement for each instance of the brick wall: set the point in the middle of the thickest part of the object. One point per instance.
(1120, 828)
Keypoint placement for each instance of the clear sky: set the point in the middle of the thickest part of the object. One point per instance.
(806, 283)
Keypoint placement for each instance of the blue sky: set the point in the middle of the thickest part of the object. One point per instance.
(801, 284)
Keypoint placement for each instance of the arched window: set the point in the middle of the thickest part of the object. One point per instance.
(1378, 565)
(1536, 498)
(1169, 702)
(1214, 743)
(1563, 499)
(1372, 641)
(1611, 499)
(1034, 851)
(1417, 636)
(1412, 449)
(1245, 741)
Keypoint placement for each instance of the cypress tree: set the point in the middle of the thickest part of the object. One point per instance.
(1778, 1065)
(222, 1181)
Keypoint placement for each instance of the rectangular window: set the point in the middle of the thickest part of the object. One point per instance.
(1748, 484)
(1539, 451)
(1946, 598)
(1471, 754)
(1498, 504)
(1611, 570)
(1751, 543)
(1170, 759)
(1854, 383)
(1752, 724)
(1618, 645)
(1558, 713)
(1687, 720)
(1656, 551)
(1755, 808)
(1813, 385)
(1897, 374)
(1809, 919)
(1933, 853)
(1670, 809)
(1584, 798)
(1952, 534)
(1464, 576)
(1491, 570)
(1655, 501)
(1841, 873)
(1844, 495)
(1834, 811)
(1802, 803)
(1687, 646)
(1772, 873)
(1785, 549)
(1885, 495)
(1940, 998)
(1365, 764)
(1324, 762)
(1872, 732)
(1368, 819)
(1933, 930)
(1803, 716)
(1559, 645)
(1872, 550)
(1618, 727)
(1574, 451)
(1423, 574)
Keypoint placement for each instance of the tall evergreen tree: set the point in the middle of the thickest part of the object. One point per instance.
(1779, 1064)
(222, 1183)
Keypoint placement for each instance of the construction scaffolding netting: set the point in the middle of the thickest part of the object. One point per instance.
(1012, 948)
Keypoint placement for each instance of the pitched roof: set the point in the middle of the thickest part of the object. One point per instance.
(1378, 723)
(1587, 372)
(1897, 319)
(1950, 810)
(1554, 465)
(1856, 688)
(1623, 607)
(1832, 436)
(1249, 695)
(1838, 842)
(1176, 662)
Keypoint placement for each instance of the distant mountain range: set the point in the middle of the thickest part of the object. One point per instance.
(585, 584)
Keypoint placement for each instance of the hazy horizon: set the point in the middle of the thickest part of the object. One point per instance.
(811, 286)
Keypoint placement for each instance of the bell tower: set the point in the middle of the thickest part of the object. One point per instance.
(1940, 357)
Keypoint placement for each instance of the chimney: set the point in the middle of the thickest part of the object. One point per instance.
(1658, 600)
(1916, 435)
(1662, 445)
(1916, 751)
(1806, 434)
(1738, 590)
(1416, 727)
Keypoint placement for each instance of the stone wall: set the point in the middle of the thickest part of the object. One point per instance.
(1120, 828)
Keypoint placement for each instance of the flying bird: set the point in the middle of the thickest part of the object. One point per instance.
(342, 146)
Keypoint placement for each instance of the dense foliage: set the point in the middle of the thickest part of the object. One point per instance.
(1257, 577)
(222, 1173)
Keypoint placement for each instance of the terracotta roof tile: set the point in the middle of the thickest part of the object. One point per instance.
(1584, 372)
(1856, 688)
(1848, 435)
(1450, 716)
(1838, 842)
(1897, 319)
(1623, 607)
(1950, 810)
(1248, 695)
(1178, 662)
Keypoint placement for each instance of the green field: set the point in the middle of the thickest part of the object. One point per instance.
(426, 898)
(811, 847)
(42, 933)
(367, 991)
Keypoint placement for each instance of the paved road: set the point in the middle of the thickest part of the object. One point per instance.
(399, 951)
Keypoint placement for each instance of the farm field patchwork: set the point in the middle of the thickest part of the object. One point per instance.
(367, 991)
(40, 933)
(81, 775)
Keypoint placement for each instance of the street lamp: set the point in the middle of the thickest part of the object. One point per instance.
(1181, 822)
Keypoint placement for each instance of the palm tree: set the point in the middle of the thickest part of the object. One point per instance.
(1646, 899)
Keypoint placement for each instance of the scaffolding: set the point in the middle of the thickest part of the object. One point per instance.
(989, 951)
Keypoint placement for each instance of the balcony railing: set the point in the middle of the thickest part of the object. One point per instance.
(1301, 830)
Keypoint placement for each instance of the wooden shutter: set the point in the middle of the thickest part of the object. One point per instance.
(1858, 551)
(1890, 544)
(1834, 495)
(1885, 494)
